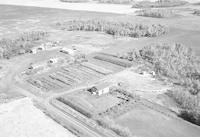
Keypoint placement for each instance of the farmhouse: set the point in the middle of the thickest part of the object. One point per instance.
(148, 74)
(100, 89)
(55, 60)
(37, 65)
(67, 51)
(34, 50)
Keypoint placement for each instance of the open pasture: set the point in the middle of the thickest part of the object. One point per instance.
(93, 104)
(145, 122)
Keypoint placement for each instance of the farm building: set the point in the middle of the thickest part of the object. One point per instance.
(37, 65)
(67, 51)
(100, 89)
(148, 74)
(55, 60)
(34, 50)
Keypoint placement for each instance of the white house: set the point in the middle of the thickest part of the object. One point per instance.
(67, 51)
(37, 65)
(34, 50)
(55, 60)
(100, 89)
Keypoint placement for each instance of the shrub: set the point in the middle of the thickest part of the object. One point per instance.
(20, 45)
(108, 123)
(180, 65)
(159, 4)
(176, 61)
(196, 12)
(116, 1)
(197, 3)
(192, 116)
(115, 28)
(75, 107)
(74, 1)
(184, 98)
(156, 13)
(113, 60)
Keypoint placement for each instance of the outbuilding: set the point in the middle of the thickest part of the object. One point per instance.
(67, 51)
(100, 89)
(37, 65)
(34, 50)
(55, 60)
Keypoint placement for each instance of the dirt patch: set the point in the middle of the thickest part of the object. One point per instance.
(22, 118)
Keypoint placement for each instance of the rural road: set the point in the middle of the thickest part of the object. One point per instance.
(70, 120)
(69, 117)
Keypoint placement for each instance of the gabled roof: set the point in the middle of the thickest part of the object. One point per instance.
(103, 85)
(38, 64)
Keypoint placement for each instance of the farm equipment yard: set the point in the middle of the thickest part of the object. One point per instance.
(107, 73)
(90, 88)
(70, 73)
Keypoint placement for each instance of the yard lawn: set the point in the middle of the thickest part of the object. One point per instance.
(103, 102)
(141, 82)
(145, 122)
(93, 103)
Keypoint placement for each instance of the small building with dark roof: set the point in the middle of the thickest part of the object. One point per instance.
(100, 89)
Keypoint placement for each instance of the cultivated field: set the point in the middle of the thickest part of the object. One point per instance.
(67, 75)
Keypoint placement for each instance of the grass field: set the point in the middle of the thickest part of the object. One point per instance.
(145, 122)
(91, 103)
(183, 29)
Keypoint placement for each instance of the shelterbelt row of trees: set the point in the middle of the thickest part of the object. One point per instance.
(140, 4)
(156, 13)
(115, 28)
(21, 44)
(181, 66)
(159, 3)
